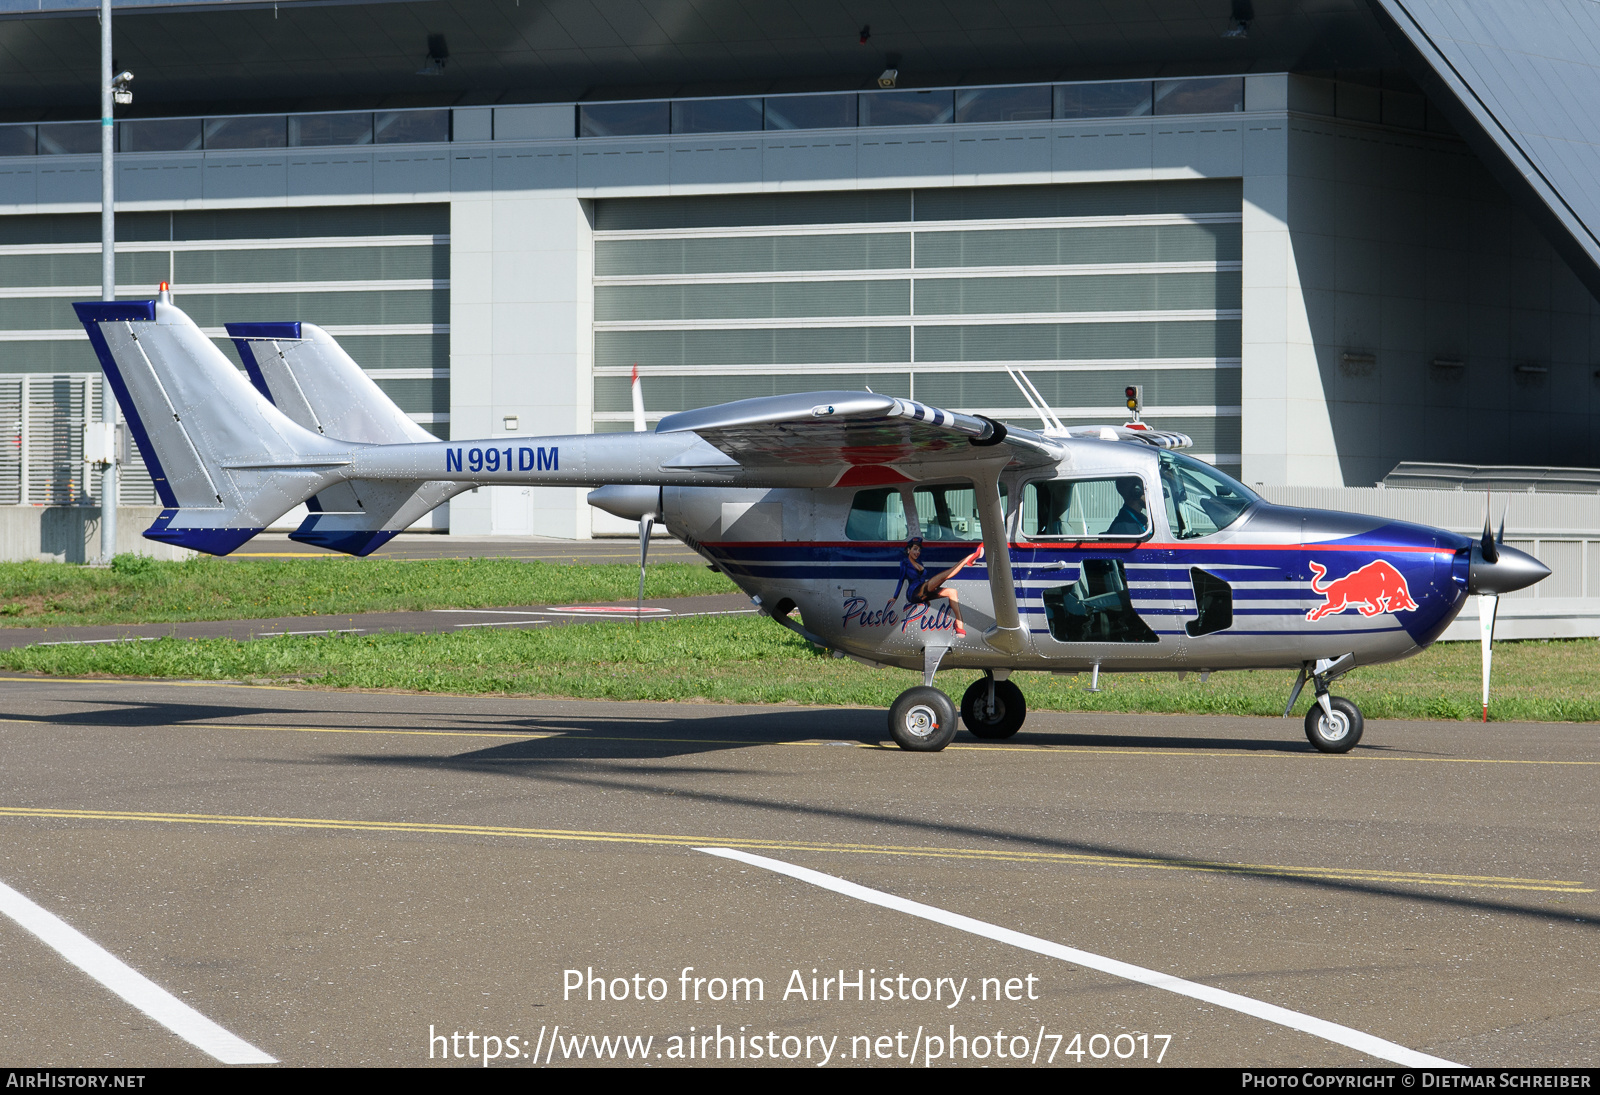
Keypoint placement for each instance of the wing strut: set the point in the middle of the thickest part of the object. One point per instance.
(1007, 635)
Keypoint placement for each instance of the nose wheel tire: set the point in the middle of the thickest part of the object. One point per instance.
(922, 720)
(1337, 733)
(1010, 709)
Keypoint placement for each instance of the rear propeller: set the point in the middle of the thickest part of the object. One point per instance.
(647, 524)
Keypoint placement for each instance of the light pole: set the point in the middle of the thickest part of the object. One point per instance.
(108, 291)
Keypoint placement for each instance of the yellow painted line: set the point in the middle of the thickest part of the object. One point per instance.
(1340, 874)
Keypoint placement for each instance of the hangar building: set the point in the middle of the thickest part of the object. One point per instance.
(1324, 236)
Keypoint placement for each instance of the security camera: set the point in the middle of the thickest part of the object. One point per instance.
(888, 77)
(122, 78)
(119, 88)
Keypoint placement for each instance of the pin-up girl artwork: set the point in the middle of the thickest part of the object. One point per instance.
(921, 589)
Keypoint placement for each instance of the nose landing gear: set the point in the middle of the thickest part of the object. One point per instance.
(1334, 724)
(922, 719)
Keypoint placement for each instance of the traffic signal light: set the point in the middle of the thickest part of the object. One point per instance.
(1135, 394)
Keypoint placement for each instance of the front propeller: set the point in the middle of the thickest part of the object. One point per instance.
(1497, 569)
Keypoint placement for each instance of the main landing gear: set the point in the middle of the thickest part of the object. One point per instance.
(1334, 724)
(923, 719)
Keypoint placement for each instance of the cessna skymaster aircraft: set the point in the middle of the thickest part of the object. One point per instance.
(907, 536)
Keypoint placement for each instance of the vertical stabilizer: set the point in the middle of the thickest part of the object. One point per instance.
(200, 427)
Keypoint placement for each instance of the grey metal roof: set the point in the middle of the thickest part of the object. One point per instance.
(1521, 80)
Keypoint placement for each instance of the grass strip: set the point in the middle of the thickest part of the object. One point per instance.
(137, 589)
(750, 660)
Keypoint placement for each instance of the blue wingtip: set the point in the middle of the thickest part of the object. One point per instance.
(263, 330)
(211, 541)
(358, 543)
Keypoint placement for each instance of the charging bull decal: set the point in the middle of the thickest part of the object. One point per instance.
(1374, 589)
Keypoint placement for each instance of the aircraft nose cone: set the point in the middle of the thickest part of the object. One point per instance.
(1513, 571)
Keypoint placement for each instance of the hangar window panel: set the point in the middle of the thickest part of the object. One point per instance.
(1065, 389)
(42, 271)
(398, 351)
(159, 135)
(716, 115)
(751, 210)
(1214, 291)
(1003, 104)
(668, 394)
(1080, 246)
(760, 254)
(69, 138)
(256, 131)
(312, 130)
(1215, 95)
(1111, 100)
(811, 112)
(1076, 341)
(417, 396)
(311, 264)
(758, 346)
(398, 306)
(19, 140)
(411, 126)
(907, 107)
(623, 119)
(752, 301)
(1120, 199)
(298, 223)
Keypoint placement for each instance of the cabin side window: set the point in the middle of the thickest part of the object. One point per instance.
(1085, 509)
(877, 514)
(950, 511)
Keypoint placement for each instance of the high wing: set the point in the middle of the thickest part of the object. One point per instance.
(870, 439)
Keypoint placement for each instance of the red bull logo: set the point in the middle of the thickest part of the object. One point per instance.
(1374, 589)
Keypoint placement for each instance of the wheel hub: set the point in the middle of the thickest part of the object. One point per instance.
(1335, 725)
(921, 720)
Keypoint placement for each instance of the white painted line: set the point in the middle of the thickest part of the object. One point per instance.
(318, 631)
(486, 611)
(129, 983)
(506, 623)
(1369, 1044)
(94, 642)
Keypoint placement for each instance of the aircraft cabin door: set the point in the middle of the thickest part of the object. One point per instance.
(1091, 585)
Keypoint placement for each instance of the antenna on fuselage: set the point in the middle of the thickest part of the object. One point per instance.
(1035, 400)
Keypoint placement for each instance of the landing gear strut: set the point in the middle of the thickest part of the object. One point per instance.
(1334, 724)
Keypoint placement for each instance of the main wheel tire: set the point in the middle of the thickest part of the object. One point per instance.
(922, 720)
(1339, 733)
(1010, 709)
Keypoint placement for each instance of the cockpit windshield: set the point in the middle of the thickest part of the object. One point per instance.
(1200, 500)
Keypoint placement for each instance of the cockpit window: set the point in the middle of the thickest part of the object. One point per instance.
(1200, 500)
(877, 514)
(1085, 508)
